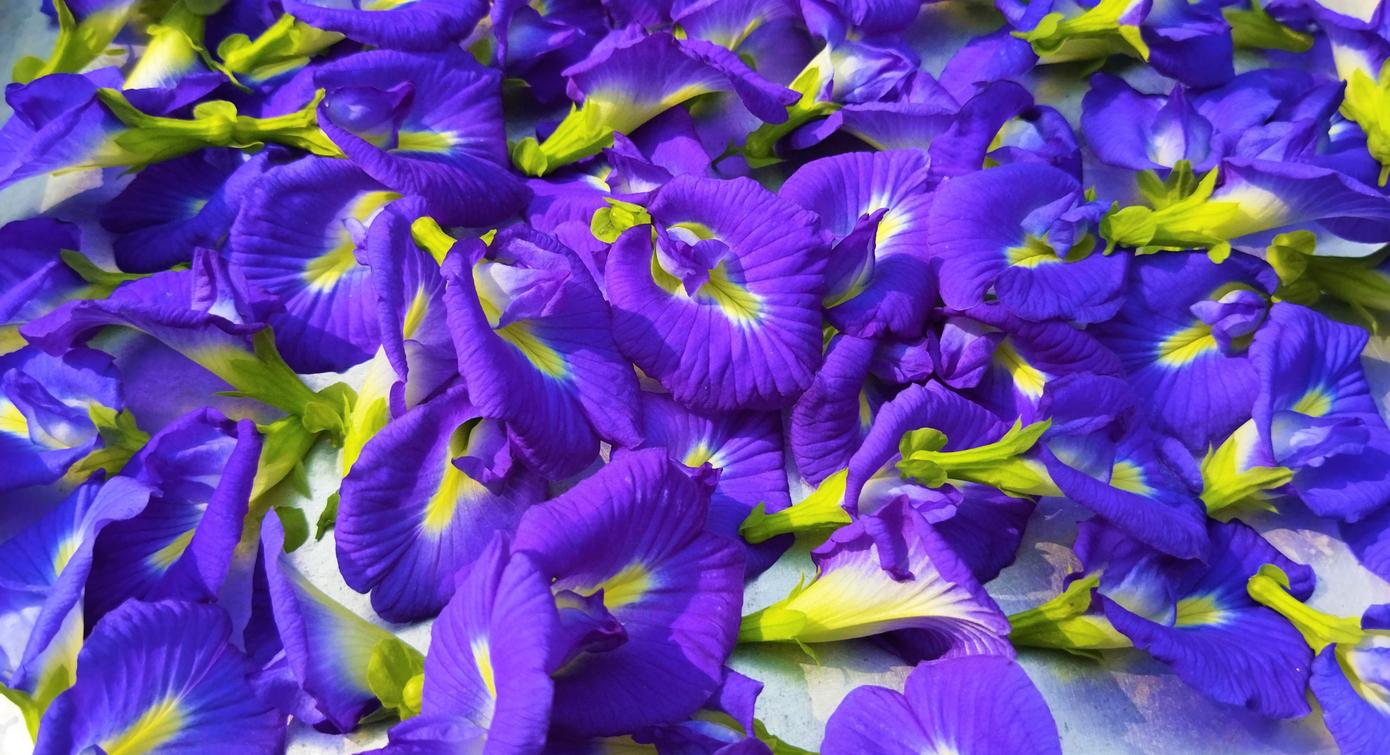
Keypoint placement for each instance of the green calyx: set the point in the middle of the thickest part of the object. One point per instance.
(396, 674)
(1270, 588)
(1064, 623)
(287, 45)
(77, 44)
(1180, 216)
(1254, 29)
(121, 439)
(759, 148)
(1304, 277)
(264, 376)
(819, 514)
(1367, 101)
(1228, 490)
(1093, 35)
(150, 139)
(609, 222)
(1000, 464)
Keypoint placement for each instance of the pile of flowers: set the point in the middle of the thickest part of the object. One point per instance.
(602, 304)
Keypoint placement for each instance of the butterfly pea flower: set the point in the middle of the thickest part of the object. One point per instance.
(422, 501)
(725, 724)
(1070, 31)
(61, 418)
(280, 48)
(487, 674)
(1315, 413)
(1193, 616)
(158, 675)
(34, 276)
(1101, 455)
(733, 268)
(1016, 359)
(729, 23)
(844, 72)
(830, 419)
(327, 647)
(181, 545)
(85, 29)
(972, 704)
(172, 62)
(1360, 58)
(1215, 637)
(411, 316)
(43, 574)
(1182, 335)
(410, 25)
(1349, 670)
(539, 44)
(428, 125)
(631, 77)
(1257, 201)
(524, 312)
(172, 207)
(918, 440)
(648, 598)
(211, 316)
(879, 278)
(1127, 129)
(887, 572)
(299, 235)
(1023, 230)
(744, 447)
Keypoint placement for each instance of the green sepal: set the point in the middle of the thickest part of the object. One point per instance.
(585, 131)
(428, 235)
(1257, 30)
(1270, 588)
(283, 448)
(760, 146)
(1064, 623)
(775, 744)
(395, 675)
(1095, 34)
(103, 281)
(609, 222)
(295, 524)
(819, 514)
(999, 464)
(215, 123)
(1367, 101)
(264, 376)
(77, 43)
(1180, 217)
(287, 45)
(775, 623)
(121, 439)
(328, 517)
(1228, 490)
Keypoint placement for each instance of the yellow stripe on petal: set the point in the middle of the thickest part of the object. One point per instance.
(159, 724)
(537, 351)
(1200, 611)
(1032, 253)
(1317, 402)
(66, 550)
(626, 587)
(482, 658)
(324, 271)
(1027, 379)
(1128, 476)
(736, 302)
(700, 454)
(433, 142)
(444, 504)
(12, 420)
(1181, 348)
(165, 557)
